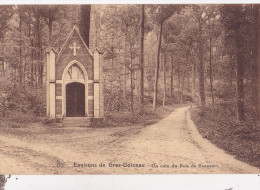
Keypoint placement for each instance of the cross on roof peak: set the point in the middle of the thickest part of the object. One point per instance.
(74, 47)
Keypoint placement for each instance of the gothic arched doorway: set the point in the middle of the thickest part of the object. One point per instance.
(75, 99)
(74, 90)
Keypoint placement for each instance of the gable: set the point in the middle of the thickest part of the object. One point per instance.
(75, 37)
(74, 49)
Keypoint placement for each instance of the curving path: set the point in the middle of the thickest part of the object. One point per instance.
(173, 145)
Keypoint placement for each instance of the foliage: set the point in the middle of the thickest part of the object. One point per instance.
(239, 23)
(187, 31)
(23, 99)
(219, 125)
(6, 13)
(161, 13)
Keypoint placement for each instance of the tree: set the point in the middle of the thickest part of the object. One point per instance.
(84, 24)
(162, 14)
(97, 12)
(256, 63)
(50, 14)
(38, 26)
(171, 36)
(235, 20)
(198, 12)
(142, 59)
(129, 20)
(6, 12)
(180, 39)
(120, 39)
(211, 15)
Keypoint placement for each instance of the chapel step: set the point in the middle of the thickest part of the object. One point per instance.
(76, 122)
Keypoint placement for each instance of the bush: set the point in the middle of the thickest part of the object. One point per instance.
(218, 124)
(224, 91)
(128, 117)
(24, 99)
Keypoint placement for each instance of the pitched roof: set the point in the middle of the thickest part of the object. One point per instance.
(99, 51)
(49, 49)
(74, 30)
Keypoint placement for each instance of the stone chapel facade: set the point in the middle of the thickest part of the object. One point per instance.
(74, 80)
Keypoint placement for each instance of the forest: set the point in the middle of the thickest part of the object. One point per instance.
(205, 56)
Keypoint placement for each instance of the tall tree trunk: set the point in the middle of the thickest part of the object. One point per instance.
(179, 77)
(132, 85)
(84, 24)
(183, 79)
(164, 78)
(182, 86)
(201, 66)
(124, 78)
(20, 51)
(41, 64)
(136, 78)
(210, 62)
(230, 76)
(38, 47)
(2, 68)
(193, 83)
(188, 82)
(156, 77)
(171, 79)
(256, 87)
(39, 56)
(141, 98)
(239, 80)
(32, 46)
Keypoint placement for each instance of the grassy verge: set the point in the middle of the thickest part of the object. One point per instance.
(16, 119)
(219, 125)
(147, 117)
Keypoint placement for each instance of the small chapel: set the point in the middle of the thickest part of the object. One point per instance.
(74, 80)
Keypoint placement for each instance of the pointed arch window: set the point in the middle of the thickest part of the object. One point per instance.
(74, 73)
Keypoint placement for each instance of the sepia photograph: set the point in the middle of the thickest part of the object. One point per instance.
(129, 89)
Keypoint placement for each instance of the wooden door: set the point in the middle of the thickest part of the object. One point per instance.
(75, 100)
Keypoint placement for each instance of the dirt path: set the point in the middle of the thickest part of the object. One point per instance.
(172, 145)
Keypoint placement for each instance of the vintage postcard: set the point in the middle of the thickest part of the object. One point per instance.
(130, 89)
